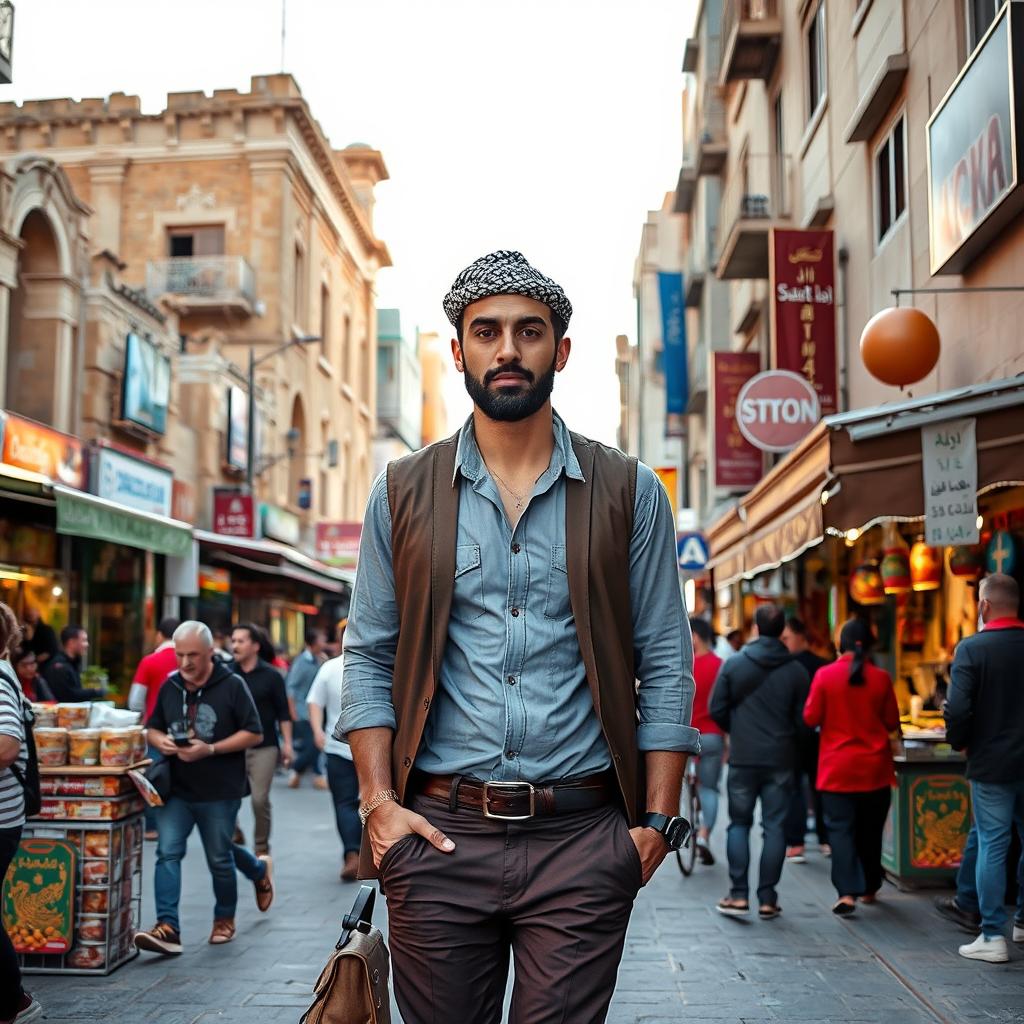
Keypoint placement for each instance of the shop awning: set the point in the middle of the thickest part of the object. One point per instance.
(859, 468)
(85, 515)
(272, 558)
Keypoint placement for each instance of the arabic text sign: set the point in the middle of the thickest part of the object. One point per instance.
(949, 458)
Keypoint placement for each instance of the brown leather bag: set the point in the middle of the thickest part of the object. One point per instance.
(353, 987)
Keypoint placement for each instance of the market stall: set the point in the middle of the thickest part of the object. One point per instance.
(72, 897)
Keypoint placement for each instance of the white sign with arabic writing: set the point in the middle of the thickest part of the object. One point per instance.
(949, 458)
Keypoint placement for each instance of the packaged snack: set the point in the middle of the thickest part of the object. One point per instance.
(95, 901)
(87, 955)
(97, 844)
(73, 716)
(84, 746)
(85, 785)
(95, 872)
(116, 746)
(46, 715)
(139, 747)
(92, 929)
(51, 746)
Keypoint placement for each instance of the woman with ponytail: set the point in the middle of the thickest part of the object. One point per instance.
(853, 703)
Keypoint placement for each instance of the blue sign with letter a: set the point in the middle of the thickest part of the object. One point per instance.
(692, 552)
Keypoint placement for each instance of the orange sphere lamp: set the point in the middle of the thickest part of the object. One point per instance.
(925, 567)
(899, 346)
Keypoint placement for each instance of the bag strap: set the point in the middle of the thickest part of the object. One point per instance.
(27, 718)
(360, 917)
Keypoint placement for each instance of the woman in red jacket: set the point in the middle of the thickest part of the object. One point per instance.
(853, 703)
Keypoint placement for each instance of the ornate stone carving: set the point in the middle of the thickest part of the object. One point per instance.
(196, 199)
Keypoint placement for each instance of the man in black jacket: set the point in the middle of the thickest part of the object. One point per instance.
(758, 700)
(63, 672)
(985, 716)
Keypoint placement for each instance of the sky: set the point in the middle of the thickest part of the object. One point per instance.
(547, 126)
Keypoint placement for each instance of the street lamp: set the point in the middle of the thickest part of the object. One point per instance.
(250, 453)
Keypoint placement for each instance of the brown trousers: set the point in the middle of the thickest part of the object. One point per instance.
(261, 763)
(555, 891)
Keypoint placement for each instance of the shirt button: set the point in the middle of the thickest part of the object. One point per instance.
(515, 613)
(406, 762)
(516, 549)
(511, 680)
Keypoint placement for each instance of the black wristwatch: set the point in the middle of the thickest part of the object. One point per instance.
(674, 831)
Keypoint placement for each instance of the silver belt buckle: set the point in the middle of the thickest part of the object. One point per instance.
(488, 786)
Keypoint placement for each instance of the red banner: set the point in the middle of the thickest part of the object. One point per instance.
(803, 283)
(233, 514)
(738, 464)
(338, 543)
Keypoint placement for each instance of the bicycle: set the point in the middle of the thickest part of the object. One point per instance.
(689, 808)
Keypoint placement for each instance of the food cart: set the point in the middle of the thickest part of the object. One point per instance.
(71, 900)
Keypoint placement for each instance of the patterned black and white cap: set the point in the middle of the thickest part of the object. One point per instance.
(505, 273)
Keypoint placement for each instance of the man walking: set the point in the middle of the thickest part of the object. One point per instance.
(506, 578)
(794, 636)
(300, 678)
(984, 715)
(759, 700)
(63, 672)
(706, 666)
(266, 684)
(203, 723)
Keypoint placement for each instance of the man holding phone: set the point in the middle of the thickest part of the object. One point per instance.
(203, 722)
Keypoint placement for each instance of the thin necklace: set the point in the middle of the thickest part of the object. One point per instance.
(518, 497)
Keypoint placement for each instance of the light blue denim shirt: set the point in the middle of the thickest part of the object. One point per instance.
(513, 701)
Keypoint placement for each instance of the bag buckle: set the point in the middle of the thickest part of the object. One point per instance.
(526, 787)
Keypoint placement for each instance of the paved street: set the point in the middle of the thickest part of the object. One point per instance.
(895, 962)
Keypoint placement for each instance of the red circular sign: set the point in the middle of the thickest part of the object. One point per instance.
(776, 410)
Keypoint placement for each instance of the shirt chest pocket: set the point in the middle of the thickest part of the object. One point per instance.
(468, 596)
(556, 601)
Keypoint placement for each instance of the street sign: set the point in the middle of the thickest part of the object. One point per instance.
(776, 410)
(692, 551)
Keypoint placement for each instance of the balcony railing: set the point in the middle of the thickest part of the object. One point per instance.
(203, 283)
(712, 143)
(757, 195)
(752, 36)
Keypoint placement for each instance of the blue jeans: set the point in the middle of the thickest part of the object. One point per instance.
(997, 805)
(774, 789)
(215, 820)
(341, 776)
(709, 771)
(306, 754)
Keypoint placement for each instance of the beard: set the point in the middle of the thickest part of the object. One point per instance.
(510, 405)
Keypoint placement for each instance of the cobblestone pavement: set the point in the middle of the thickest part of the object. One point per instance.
(895, 962)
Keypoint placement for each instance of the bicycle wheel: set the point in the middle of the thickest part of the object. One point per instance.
(687, 856)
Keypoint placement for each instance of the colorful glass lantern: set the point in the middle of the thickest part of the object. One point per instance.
(925, 567)
(866, 584)
(896, 571)
(967, 561)
(1002, 553)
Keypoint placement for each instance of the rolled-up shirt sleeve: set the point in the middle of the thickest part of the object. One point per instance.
(663, 650)
(371, 637)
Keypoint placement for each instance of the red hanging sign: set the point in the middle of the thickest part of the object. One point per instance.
(738, 464)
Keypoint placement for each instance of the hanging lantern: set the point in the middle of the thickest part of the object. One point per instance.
(925, 567)
(899, 346)
(1001, 555)
(967, 561)
(896, 570)
(866, 584)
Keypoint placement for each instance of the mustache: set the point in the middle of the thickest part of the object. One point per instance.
(508, 371)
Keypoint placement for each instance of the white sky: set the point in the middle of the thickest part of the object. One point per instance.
(548, 126)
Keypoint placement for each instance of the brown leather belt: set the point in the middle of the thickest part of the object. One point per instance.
(517, 801)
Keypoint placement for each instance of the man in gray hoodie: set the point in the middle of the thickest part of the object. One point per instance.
(758, 700)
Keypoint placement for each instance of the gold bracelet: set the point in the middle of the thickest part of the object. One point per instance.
(383, 797)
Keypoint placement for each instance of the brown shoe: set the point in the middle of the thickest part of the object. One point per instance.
(223, 931)
(265, 886)
(294, 780)
(319, 782)
(350, 870)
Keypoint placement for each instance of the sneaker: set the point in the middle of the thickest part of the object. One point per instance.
(795, 855)
(947, 907)
(319, 782)
(991, 951)
(161, 938)
(223, 931)
(294, 780)
(1018, 931)
(28, 1009)
(265, 886)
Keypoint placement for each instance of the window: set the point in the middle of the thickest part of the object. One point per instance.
(326, 345)
(298, 318)
(980, 15)
(817, 84)
(343, 359)
(890, 180)
(198, 241)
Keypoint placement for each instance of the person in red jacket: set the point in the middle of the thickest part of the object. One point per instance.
(853, 703)
(712, 742)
